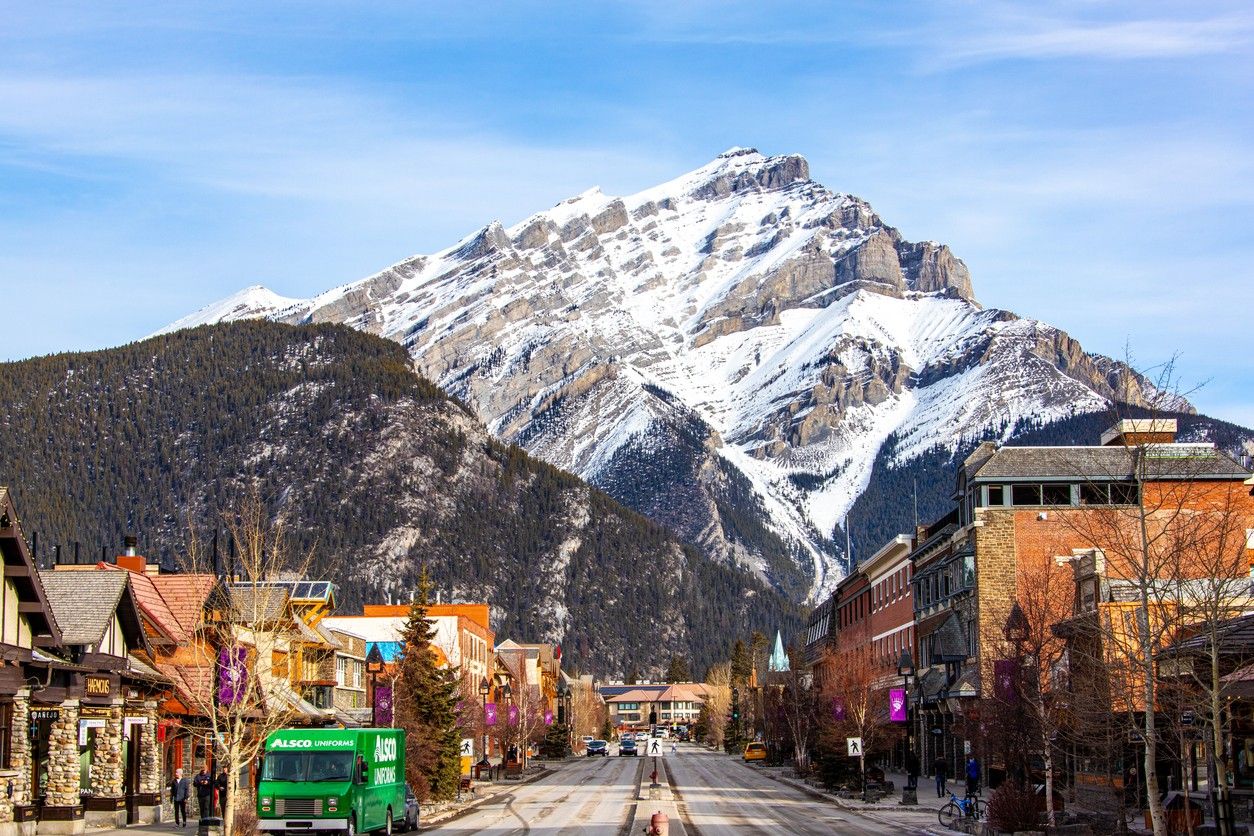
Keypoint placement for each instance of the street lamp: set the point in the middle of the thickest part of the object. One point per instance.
(905, 669)
(485, 688)
(508, 693)
(563, 715)
(374, 666)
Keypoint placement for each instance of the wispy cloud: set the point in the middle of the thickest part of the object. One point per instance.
(1011, 37)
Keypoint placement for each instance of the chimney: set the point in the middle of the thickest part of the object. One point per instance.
(1132, 432)
(130, 558)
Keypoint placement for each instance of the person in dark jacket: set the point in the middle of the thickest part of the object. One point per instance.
(912, 770)
(179, 790)
(220, 785)
(941, 768)
(203, 783)
(973, 776)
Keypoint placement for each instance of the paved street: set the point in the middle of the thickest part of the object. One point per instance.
(713, 794)
(590, 795)
(718, 794)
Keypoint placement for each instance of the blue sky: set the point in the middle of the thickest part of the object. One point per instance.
(1092, 162)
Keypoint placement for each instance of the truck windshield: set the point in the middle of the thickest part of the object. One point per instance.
(308, 766)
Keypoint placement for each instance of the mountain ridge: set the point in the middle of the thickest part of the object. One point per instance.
(762, 332)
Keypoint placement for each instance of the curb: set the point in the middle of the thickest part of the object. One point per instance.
(874, 815)
(445, 816)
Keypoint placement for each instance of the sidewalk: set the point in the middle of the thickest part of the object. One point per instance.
(431, 814)
(916, 818)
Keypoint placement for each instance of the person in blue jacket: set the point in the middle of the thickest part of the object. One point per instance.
(973, 776)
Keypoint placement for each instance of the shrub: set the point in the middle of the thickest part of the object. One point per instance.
(1013, 807)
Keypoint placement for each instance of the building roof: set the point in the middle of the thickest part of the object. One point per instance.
(251, 604)
(15, 553)
(1161, 461)
(84, 603)
(186, 597)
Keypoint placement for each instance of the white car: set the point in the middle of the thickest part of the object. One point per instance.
(641, 737)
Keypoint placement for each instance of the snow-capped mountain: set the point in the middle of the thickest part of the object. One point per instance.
(725, 352)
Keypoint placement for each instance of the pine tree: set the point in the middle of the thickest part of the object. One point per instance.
(741, 664)
(678, 670)
(426, 705)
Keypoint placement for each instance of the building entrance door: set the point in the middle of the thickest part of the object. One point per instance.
(130, 774)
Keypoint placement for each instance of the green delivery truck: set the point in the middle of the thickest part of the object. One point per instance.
(346, 780)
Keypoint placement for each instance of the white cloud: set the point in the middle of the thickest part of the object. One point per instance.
(1015, 36)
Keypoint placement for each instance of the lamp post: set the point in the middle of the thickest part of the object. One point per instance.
(374, 667)
(1017, 632)
(905, 669)
(563, 715)
(508, 693)
(485, 688)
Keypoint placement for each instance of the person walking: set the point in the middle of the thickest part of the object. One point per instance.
(912, 770)
(941, 770)
(220, 785)
(179, 789)
(203, 782)
(973, 776)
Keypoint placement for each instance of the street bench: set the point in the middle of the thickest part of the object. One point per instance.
(466, 785)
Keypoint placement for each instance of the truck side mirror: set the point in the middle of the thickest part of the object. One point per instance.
(362, 770)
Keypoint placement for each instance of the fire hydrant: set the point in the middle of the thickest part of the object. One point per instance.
(659, 825)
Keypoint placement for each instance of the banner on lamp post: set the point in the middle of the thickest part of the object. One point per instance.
(897, 705)
(1004, 680)
(383, 706)
(489, 714)
(838, 710)
(512, 714)
(548, 716)
(232, 674)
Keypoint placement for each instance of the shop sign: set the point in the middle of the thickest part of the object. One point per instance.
(45, 714)
(97, 686)
(84, 725)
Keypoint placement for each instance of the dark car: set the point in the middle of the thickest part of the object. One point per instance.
(411, 810)
(598, 747)
(627, 748)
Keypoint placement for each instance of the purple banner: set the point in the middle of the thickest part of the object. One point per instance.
(838, 709)
(232, 674)
(489, 714)
(513, 715)
(548, 716)
(383, 706)
(1004, 680)
(897, 705)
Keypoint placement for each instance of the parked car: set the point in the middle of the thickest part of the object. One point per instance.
(587, 738)
(641, 736)
(755, 752)
(598, 747)
(411, 810)
(627, 748)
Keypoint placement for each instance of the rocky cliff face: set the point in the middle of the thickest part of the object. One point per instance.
(725, 352)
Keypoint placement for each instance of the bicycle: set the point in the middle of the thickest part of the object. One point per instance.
(959, 808)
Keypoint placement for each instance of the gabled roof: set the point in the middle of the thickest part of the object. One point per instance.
(84, 603)
(19, 567)
(1161, 461)
(255, 604)
(186, 596)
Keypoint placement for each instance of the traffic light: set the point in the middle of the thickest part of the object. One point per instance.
(735, 712)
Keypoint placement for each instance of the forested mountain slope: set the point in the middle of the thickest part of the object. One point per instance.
(374, 467)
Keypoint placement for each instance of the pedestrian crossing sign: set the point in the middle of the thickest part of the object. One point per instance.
(468, 747)
(855, 746)
(655, 747)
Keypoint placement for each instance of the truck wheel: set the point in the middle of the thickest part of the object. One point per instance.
(387, 828)
(352, 825)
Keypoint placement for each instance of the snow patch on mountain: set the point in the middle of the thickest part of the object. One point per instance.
(759, 318)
